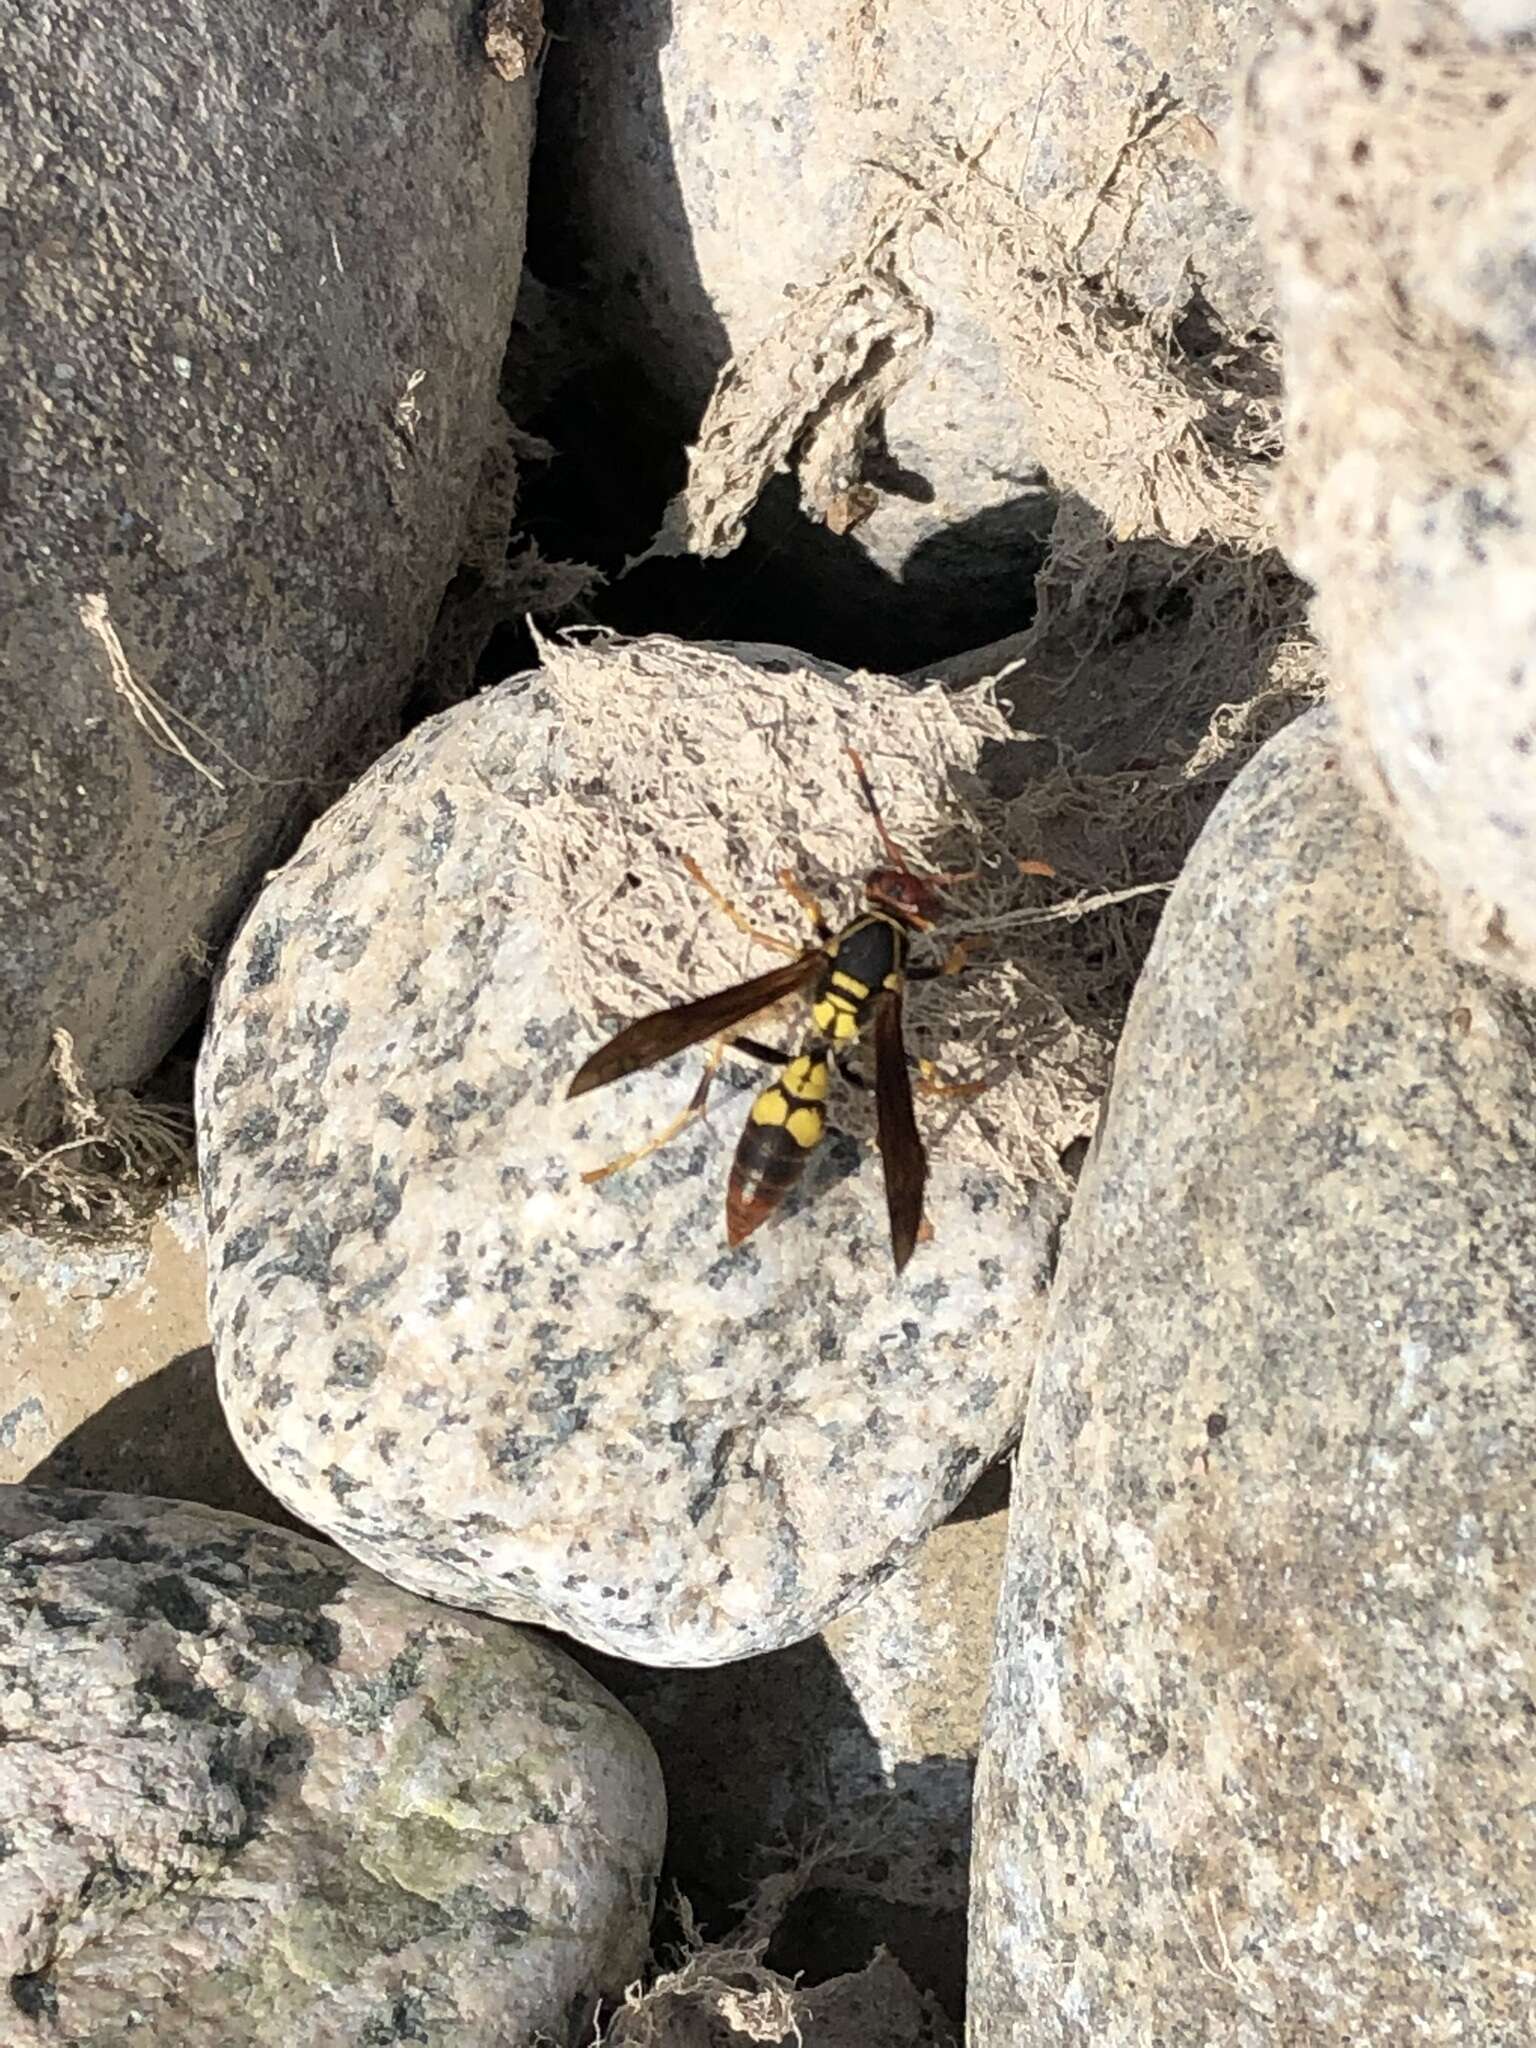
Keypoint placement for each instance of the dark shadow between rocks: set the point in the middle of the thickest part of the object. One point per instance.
(830, 1930)
(758, 1758)
(165, 1435)
(991, 1493)
(974, 581)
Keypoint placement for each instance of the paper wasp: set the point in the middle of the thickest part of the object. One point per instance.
(855, 979)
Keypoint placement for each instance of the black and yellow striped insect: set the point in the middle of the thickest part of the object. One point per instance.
(856, 978)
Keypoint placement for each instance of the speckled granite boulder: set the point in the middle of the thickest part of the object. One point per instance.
(1258, 1758)
(258, 271)
(862, 1740)
(251, 1794)
(551, 1401)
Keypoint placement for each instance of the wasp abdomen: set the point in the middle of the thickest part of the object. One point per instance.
(784, 1129)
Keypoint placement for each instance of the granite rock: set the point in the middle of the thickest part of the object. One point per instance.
(249, 1793)
(551, 1401)
(888, 222)
(1257, 1762)
(258, 273)
(1388, 153)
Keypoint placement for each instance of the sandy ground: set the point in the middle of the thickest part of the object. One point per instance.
(106, 1379)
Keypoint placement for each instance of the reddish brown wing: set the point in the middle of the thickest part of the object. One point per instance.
(658, 1037)
(901, 1149)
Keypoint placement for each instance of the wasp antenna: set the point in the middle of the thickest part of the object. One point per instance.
(886, 840)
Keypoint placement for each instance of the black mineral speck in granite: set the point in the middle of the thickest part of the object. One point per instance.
(55, 1615)
(403, 2022)
(453, 1285)
(118, 1544)
(376, 1288)
(184, 1698)
(368, 1703)
(255, 1132)
(462, 1102)
(355, 1362)
(241, 1246)
(343, 943)
(263, 949)
(322, 1029)
(445, 818)
(35, 1996)
(509, 1923)
(172, 1598)
(311, 1249)
(311, 1632)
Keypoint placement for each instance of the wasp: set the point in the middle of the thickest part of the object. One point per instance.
(856, 979)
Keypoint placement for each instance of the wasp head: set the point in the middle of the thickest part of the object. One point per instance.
(912, 898)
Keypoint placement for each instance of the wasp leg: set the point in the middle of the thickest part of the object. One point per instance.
(928, 1083)
(807, 902)
(678, 1125)
(741, 922)
(770, 1055)
(955, 962)
(854, 1080)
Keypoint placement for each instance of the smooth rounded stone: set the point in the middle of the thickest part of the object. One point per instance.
(250, 1793)
(1257, 1765)
(109, 1379)
(258, 275)
(862, 1743)
(557, 1402)
(1402, 262)
(898, 233)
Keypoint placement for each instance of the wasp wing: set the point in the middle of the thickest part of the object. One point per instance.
(658, 1037)
(901, 1149)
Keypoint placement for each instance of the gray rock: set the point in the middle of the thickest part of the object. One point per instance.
(1257, 1765)
(257, 280)
(932, 206)
(558, 1402)
(1403, 266)
(863, 1742)
(249, 1793)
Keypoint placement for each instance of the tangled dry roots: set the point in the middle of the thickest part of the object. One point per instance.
(1167, 447)
(736, 758)
(724, 1993)
(118, 1157)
